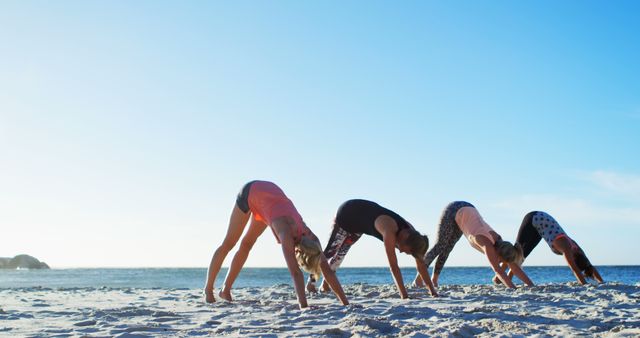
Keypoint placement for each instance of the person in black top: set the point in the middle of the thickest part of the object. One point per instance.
(357, 217)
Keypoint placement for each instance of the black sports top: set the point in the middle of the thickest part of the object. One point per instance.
(359, 216)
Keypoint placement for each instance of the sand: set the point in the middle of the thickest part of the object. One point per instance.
(611, 310)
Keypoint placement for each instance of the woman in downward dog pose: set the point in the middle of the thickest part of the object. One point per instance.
(357, 217)
(270, 207)
(460, 218)
(537, 225)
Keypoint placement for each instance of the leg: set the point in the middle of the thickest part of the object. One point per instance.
(336, 239)
(451, 240)
(342, 243)
(448, 235)
(528, 236)
(237, 223)
(330, 277)
(336, 253)
(489, 250)
(255, 230)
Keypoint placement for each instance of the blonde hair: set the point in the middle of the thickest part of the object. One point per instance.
(509, 252)
(308, 256)
(418, 243)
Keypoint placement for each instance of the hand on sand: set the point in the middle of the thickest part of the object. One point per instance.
(226, 295)
(208, 296)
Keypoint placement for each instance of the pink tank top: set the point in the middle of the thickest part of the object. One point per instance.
(268, 202)
(472, 225)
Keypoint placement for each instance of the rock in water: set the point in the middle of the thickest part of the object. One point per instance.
(22, 262)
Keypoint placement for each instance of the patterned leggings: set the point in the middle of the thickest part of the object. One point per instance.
(448, 235)
(339, 244)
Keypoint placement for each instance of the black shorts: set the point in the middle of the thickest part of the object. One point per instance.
(242, 201)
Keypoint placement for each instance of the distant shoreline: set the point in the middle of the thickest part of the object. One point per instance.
(346, 267)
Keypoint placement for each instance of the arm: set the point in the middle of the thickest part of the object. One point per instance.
(423, 274)
(395, 269)
(332, 280)
(388, 228)
(390, 249)
(442, 258)
(503, 267)
(563, 245)
(491, 254)
(568, 256)
(288, 250)
(516, 270)
(597, 276)
(494, 261)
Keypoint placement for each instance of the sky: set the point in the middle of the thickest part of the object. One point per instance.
(127, 128)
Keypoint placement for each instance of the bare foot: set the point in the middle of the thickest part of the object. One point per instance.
(226, 295)
(325, 287)
(417, 283)
(496, 280)
(208, 296)
(311, 287)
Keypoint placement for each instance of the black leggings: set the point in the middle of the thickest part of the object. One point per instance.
(528, 236)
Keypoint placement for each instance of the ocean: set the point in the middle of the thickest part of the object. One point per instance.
(177, 278)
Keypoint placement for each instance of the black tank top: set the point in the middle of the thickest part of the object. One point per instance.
(359, 216)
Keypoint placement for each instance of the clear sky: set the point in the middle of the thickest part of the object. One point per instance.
(128, 127)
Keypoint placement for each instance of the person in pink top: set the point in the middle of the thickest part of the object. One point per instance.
(270, 207)
(460, 218)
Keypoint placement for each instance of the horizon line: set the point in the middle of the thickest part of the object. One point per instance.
(284, 267)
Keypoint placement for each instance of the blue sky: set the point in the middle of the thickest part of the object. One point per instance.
(127, 128)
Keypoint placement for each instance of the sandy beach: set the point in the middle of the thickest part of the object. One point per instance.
(480, 310)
